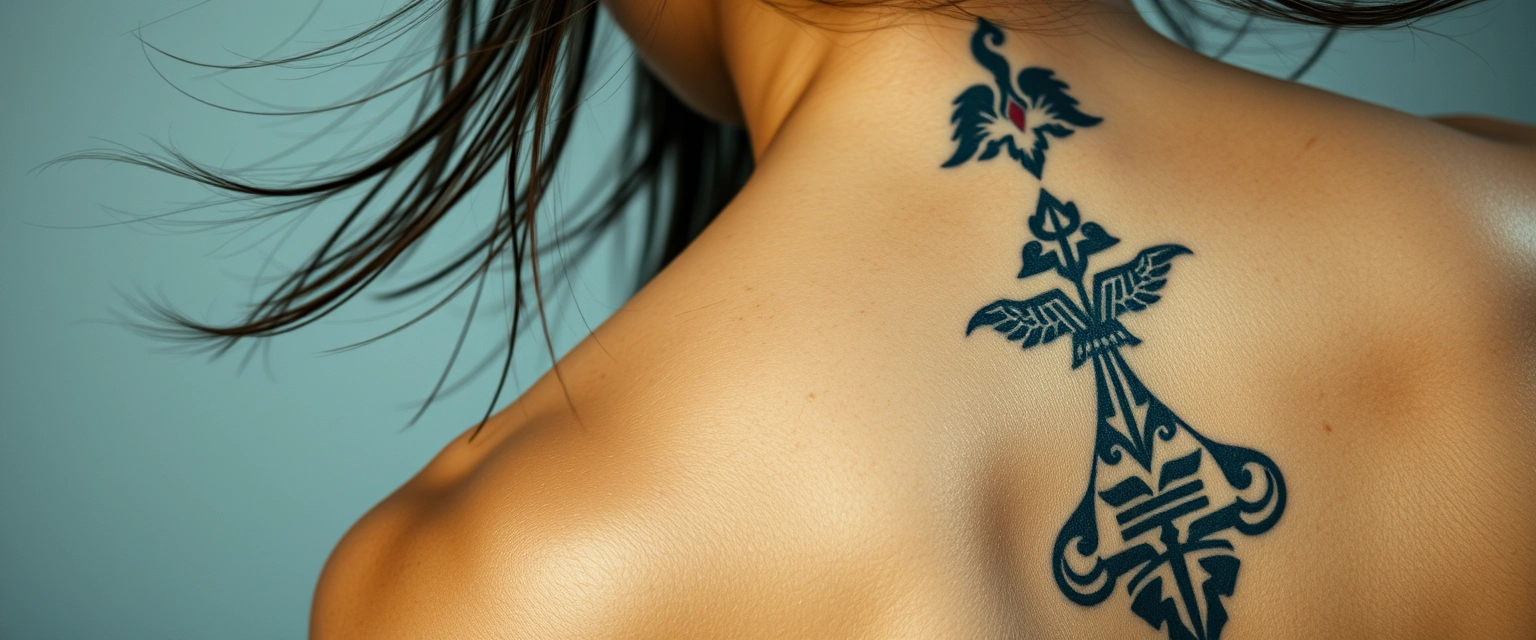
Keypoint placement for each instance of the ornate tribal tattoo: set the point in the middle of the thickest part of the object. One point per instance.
(1174, 496)
(1037, 107)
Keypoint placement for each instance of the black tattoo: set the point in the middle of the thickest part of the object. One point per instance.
(1148, 474)
(1038, 104)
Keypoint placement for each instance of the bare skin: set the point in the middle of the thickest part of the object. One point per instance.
(787, 433)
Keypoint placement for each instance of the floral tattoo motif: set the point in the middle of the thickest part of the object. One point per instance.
(1036, 109)
(1175, 496)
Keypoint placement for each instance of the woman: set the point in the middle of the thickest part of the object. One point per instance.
(1297, 402)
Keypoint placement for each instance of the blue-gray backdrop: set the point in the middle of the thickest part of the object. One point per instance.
(150, 493)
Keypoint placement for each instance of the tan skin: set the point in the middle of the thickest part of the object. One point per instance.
(788, 435)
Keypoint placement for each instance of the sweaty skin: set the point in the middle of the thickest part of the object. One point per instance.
(787, 434)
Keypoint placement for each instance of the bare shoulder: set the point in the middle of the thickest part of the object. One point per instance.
(516, 534)
(550, 528)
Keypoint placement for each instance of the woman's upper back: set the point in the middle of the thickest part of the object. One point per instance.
(801, 429)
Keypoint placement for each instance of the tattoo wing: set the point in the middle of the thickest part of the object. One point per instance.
(1037, 320)
(973, 112)
(1134, 285)
(1049, 93)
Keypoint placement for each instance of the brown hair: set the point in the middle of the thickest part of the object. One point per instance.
(508, 82)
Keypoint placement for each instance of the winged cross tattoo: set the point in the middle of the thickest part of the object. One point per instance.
(1177, 499)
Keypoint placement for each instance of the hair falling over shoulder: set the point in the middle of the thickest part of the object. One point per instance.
(500, 100)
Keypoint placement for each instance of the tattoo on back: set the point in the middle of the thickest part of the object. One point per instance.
(1175, 499)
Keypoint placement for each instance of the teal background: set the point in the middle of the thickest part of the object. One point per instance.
(150, 493)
